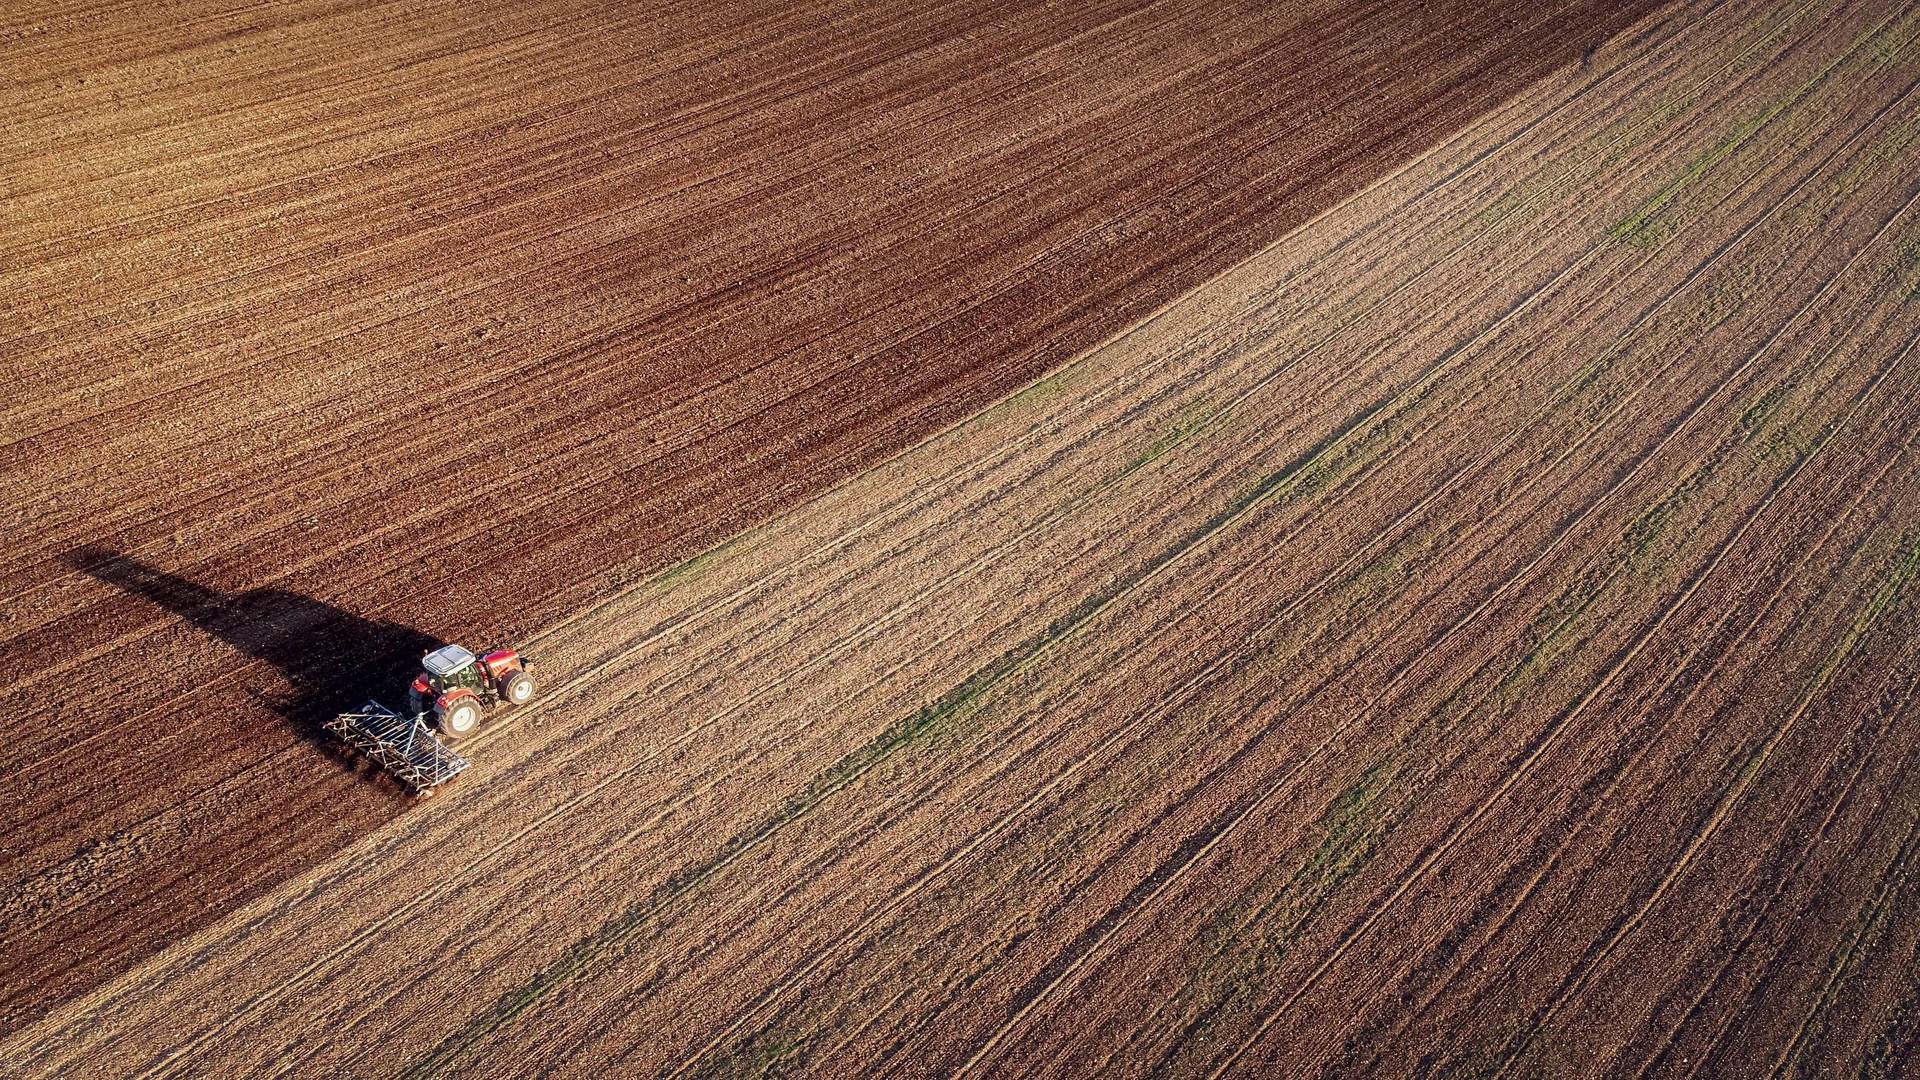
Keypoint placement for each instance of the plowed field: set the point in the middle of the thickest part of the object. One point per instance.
(1476, 636)
(333, 328)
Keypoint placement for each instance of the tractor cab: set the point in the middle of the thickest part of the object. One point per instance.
(450, 667)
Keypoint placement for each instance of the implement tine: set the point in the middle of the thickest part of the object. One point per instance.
(402, 745)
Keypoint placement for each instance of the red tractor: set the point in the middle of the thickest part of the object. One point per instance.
(459, 686)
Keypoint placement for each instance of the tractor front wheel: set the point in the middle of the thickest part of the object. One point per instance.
(459, 717)
(516, 688)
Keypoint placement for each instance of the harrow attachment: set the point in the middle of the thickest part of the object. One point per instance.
(402, 745)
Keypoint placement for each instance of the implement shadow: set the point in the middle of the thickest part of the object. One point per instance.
(331, 659)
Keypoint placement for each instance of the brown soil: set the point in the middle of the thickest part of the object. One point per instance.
(1476, 636)
(335, 329)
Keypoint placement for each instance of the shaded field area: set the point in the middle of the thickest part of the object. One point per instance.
(1474, 637)
(334, 328)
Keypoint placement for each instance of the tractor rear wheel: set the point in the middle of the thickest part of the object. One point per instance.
(516, 688)
(459, 717)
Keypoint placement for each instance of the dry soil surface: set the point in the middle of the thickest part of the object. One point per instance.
(1476, 636)
(333, 328)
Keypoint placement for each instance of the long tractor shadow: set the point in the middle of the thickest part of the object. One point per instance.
(330, 659)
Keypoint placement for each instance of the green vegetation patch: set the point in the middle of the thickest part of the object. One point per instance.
(1350, 832)
(1893, 44)
(1903, 269)
(1658, 216)
(1762, 409)
(1890, 148)
(1043, 391)
(1905, 561)
(1196, 417)
(687, 570)
(1647, 227)
(1552, 629)
(1769, 433)
(772, 1053)
(1896, 581)
(1387, 571)
(1248, 939)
